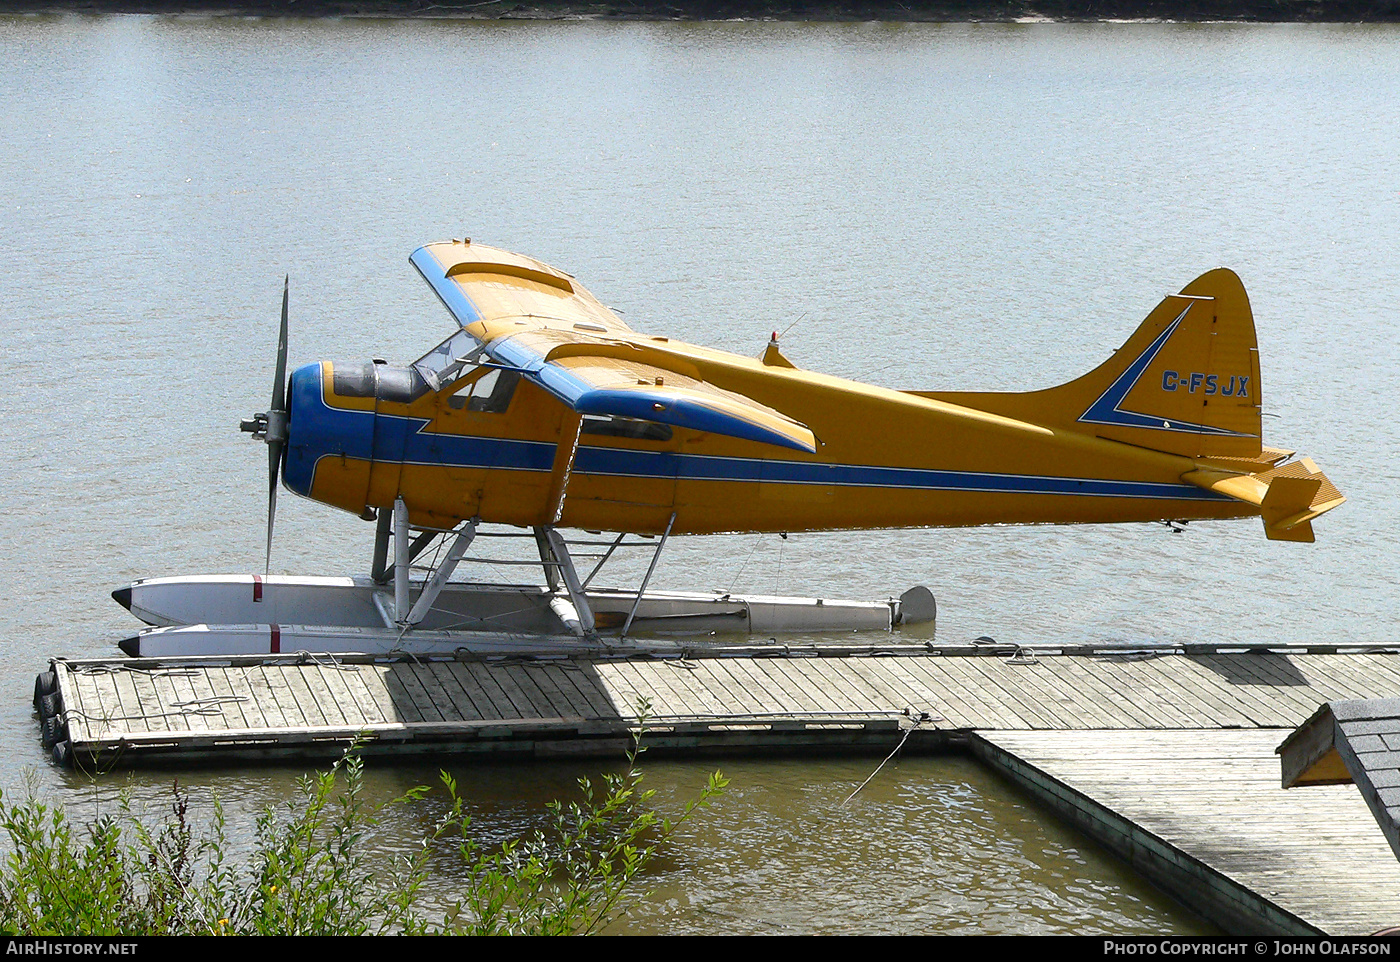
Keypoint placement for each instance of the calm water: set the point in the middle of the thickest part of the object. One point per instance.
(935, 206)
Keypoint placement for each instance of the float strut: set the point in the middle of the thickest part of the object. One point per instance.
(434, 585)
(599, 566)
(401, 560)
(560, 550)
(650, 568)
(379, 570)
(547, 558)
(382, 571)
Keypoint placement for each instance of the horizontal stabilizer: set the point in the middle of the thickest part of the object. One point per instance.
(1289, 497)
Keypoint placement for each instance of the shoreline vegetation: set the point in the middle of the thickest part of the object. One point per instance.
(900, 11)
(313, 871)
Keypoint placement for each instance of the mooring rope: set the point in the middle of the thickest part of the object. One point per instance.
(148, 672)
(323, 659)
(207, 710)
(919, 719)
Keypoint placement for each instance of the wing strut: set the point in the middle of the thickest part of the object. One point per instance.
(564, 455)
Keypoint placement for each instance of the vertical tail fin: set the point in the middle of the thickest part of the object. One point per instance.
(1186, 382)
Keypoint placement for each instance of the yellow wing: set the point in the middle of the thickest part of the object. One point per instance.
(536, 320)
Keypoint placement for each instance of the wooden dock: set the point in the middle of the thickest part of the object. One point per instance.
(1201, 814)
(1165, 756)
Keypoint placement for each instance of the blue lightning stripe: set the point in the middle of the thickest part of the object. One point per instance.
(684, 412)
(323, 431)
(689, 467)
(1106, 409)
(319, 430)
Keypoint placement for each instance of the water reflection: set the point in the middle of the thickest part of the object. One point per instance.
(970, 207)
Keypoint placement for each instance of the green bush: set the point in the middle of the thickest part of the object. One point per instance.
(310, 873)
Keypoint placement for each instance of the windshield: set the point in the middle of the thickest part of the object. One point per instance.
(444, 363)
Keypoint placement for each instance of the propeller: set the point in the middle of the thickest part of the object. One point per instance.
(272, 425)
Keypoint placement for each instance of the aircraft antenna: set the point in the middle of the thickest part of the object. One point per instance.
(778, 337)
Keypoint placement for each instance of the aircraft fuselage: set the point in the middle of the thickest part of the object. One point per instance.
(362, 435)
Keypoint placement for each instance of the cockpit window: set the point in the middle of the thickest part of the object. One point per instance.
(445, 363)
(490, 393)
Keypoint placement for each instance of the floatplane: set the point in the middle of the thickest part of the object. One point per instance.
(543, 411)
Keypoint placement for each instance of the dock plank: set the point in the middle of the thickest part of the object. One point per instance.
(307, 699)
(83, 704)
(465, 675)
(687, 675)
(205, 708)
(434, 691)
(236, 678)
(406, 675)
(356, 710)
(750, 689)
(617, 685)
(669, 695)
(496, 681)
(1210, 702)
(586, 683)
(1266, 690)
(230, 701)
(264, 680)
(375, 681)
(405, 705)
(1141, 682)
(447, 680)
(1349, 682)
(523, 698)
(1110, 708)
(869, 689)
(329, 698)
(139, 701)
(971, 675)
(565, 700)
(796, 695)
(1056, 697)
(859, 691)
(842, 676)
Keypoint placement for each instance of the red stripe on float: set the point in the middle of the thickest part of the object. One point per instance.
(257, 587)
(276, 640)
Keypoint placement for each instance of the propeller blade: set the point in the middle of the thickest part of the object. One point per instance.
(279, 383)
(274, 464)
(277, 424)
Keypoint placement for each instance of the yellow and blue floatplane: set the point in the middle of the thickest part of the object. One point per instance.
(543, 410)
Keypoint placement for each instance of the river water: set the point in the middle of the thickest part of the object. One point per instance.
(990, 206)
